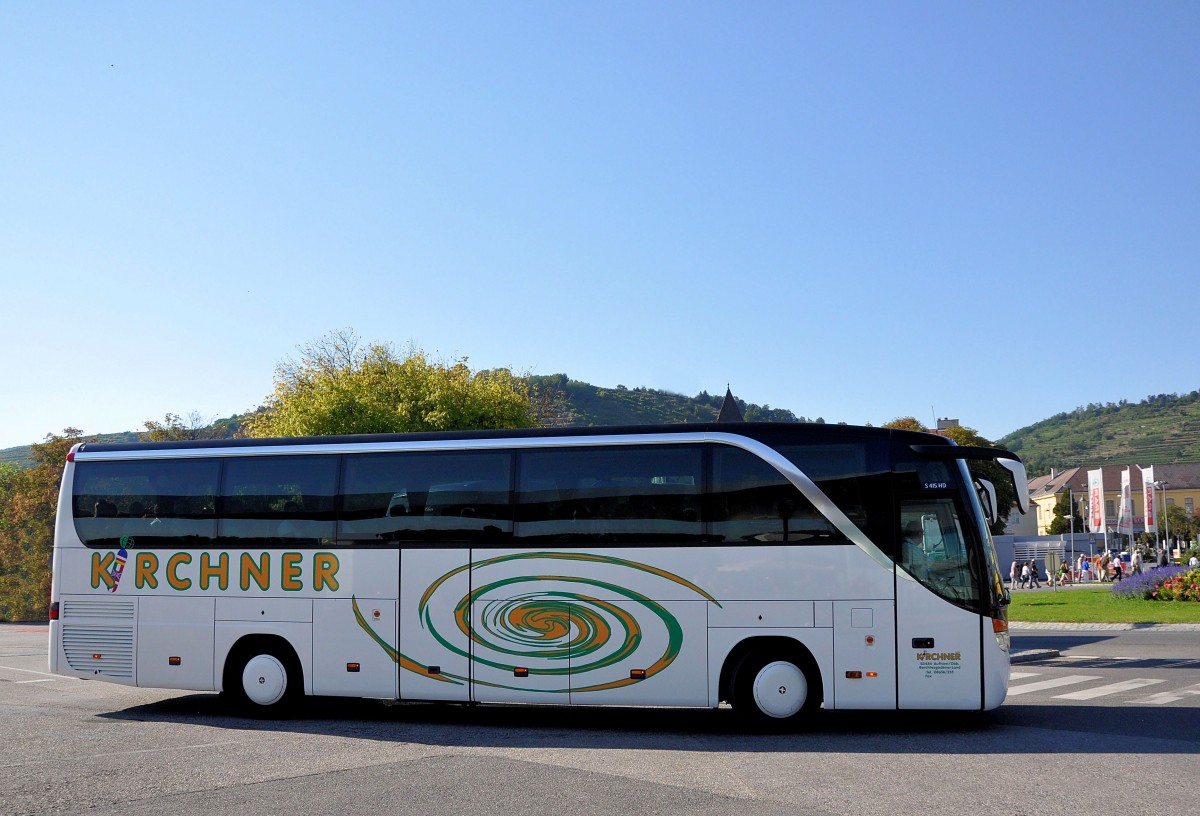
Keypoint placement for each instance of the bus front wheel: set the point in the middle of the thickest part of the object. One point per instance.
(773, 691)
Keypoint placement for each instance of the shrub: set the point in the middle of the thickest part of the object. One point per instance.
(1160, 584)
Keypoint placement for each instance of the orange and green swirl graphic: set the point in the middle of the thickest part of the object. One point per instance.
(553, 624)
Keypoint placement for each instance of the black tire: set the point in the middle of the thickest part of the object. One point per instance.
(263, 680)
(775, 691)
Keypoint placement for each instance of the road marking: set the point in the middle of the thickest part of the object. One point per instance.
(1164, 697)
(1111, 688)
(42, 680)
(1022, 675)
(42, 673)
(1042, 685)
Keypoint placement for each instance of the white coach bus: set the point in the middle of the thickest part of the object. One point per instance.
(776, 567)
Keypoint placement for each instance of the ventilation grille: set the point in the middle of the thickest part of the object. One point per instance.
(106, 650)
(121, 610)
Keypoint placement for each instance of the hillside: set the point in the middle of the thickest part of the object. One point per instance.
(1162, 429)
(577, 404)
(583, 404)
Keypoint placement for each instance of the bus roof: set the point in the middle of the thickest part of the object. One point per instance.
(762, 431)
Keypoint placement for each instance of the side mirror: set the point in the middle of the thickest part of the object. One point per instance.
(987, 497)
(1020, 481)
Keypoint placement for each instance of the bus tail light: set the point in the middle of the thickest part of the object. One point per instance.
(54, 610)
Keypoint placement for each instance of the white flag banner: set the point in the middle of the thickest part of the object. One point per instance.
(1125, 514)
(1150, 498)
(1096, 520)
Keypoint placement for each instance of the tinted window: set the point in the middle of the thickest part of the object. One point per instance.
(855, 475)
(426, 497)
(278, 501)
(147, 503)
(751, 502)
(641, 494)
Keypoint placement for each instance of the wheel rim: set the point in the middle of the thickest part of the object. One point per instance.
(264, 680)
(780, 689)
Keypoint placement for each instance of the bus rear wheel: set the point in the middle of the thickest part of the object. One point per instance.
(263, 680)
(772, 691)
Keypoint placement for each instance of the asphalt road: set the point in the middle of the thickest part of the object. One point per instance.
(69, 746)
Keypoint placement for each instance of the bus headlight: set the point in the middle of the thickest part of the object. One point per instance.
(1000, 629)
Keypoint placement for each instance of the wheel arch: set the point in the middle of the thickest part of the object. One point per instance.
(780, 646)
(260, 643)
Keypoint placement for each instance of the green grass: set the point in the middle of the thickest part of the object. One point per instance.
(1096, 605)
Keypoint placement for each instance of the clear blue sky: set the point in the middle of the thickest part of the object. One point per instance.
(855, 211)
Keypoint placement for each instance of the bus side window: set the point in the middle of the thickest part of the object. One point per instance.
(631, 493)
(430, 497)
(165, 503)
(751, 502)
(278, 501)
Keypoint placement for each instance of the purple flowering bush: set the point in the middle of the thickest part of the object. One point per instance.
(1160, 584)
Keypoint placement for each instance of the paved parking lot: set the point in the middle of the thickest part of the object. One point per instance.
(68, 746)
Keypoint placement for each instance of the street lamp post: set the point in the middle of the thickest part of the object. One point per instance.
(1071, 511)
(1161, 484)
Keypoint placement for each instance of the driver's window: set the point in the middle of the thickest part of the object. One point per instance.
(933, 549)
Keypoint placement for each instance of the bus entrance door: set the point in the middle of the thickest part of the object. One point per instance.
(938, 661)
(938, 653)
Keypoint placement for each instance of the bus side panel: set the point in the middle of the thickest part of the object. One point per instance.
(864, 654)
(347, 661)
(432, 655)
(667, 668)
(355, 629)
(818, 572)
(600, 626)
(96, 638)
(175, 642)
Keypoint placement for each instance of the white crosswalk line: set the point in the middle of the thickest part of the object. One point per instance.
(1111, 688)
(1164, 697)
(1022, 675)
(1055, 682)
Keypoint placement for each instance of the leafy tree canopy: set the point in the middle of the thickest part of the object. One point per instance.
(28, 501)
(341, 386)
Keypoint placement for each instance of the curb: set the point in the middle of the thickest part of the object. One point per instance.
(1032, 654)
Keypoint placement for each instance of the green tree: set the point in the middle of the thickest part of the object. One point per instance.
(28, 502)
(175, 428)
(341, 386)
(1063, 510)
(1181, 524)
(905, 424)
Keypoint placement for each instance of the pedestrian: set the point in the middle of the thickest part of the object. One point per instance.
(1014, 573)
(1033, 575)
(1024, 575)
